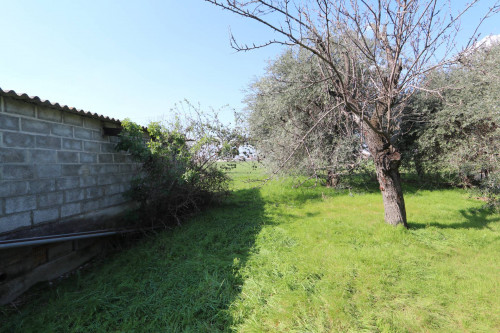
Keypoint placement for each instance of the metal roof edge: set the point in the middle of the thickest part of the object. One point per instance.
(43, 102)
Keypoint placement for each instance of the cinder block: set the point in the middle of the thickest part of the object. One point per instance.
(92, 123)
(128, 177)
(74, 195)
(125, 187)
(48, 170)
(94, 169)
(18, 172)
(82, 133)
(105, 158)
(73, 119)
(125, 177)
(86, 181)
(94, 192)
(71, 169)
(35, 126)
(67, 157)
(107, 179)
(98, 136)
(62, 130)
(70, 209)
(107, 168)
(50, 199)
(113, 189)
(42, 156)
(90, 205)
(108, 148)
(11, 222)
(19, 107)
(46, 215)
(126, 168)
(10, 155)
(42, 186)
(75, 170)
(49, 114)
(13, 188)
(71, 144)
(67, 183)
(120, 158)
(90, 146)
(113, 200)
(18, 140)
(88, 158)
(48, 142)
(9, 122)
(20, 204)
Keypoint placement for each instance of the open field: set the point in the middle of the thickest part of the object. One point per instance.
(278, 259)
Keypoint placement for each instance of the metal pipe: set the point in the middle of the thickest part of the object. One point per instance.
(12, 243)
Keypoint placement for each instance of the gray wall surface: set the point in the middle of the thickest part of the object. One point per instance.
(57, 166)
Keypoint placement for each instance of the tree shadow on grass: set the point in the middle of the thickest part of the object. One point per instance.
(304, 191)
(367, 183)
(474, 219)
(183, 280)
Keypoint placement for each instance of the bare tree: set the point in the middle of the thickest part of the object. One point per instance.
(374, 55)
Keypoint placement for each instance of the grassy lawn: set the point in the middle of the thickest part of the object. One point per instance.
(277, 259)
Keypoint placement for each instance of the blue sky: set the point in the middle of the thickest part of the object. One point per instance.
(135, 59)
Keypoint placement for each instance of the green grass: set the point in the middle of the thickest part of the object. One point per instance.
(278, 259)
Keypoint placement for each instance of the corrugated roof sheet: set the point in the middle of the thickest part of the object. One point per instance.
(43, 102)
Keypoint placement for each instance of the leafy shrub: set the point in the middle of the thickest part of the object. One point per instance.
(177, 176)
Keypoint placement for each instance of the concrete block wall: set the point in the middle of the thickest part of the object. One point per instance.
(23, 267)
(57, 166)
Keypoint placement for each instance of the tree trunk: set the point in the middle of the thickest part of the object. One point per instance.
(387, 160)
(333, 179)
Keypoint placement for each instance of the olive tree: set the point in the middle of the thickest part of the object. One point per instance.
(458, 129)
(386, 48)
(292, 123)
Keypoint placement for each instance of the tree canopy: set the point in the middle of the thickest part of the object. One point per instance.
(293, 123)
(458, 128)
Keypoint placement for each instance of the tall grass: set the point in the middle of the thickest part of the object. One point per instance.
(280, 259)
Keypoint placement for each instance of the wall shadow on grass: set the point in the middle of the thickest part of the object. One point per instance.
(475, 219)
(183, 280)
